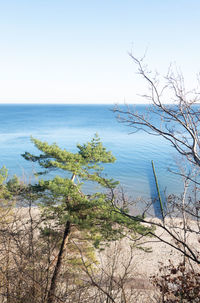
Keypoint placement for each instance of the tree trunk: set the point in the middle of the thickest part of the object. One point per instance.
(53, 284)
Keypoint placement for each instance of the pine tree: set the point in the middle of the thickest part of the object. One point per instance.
(63, 199)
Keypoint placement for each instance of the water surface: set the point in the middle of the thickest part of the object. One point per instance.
(68, 125)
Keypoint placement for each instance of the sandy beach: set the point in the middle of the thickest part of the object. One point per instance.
(141, 265)
(134, 267)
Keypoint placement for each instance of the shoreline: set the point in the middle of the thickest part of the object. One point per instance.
(160, 252)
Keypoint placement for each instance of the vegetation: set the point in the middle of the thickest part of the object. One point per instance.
(177, 111)
(48, 255)
(55, 236)
(178, 283)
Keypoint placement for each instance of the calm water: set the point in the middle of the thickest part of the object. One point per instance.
(68, 125)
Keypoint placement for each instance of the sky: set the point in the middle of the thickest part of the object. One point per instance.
(78, 51)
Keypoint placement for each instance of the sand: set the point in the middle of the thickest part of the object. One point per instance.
(135, 266)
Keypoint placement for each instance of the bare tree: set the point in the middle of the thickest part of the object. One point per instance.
(179, 118)
(115, 279)
(178, 121)
(178, 229)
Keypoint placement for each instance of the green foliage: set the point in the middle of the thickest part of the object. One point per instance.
(62, 199)
(4, 192)
(14, 184)
(7, 200)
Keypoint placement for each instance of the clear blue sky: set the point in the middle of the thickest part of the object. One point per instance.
(77, 51)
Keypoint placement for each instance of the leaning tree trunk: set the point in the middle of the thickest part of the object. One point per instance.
(54, 279)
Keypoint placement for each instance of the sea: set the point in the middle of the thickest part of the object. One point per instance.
(69, 125)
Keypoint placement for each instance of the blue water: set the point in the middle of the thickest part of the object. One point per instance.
(68, 125)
